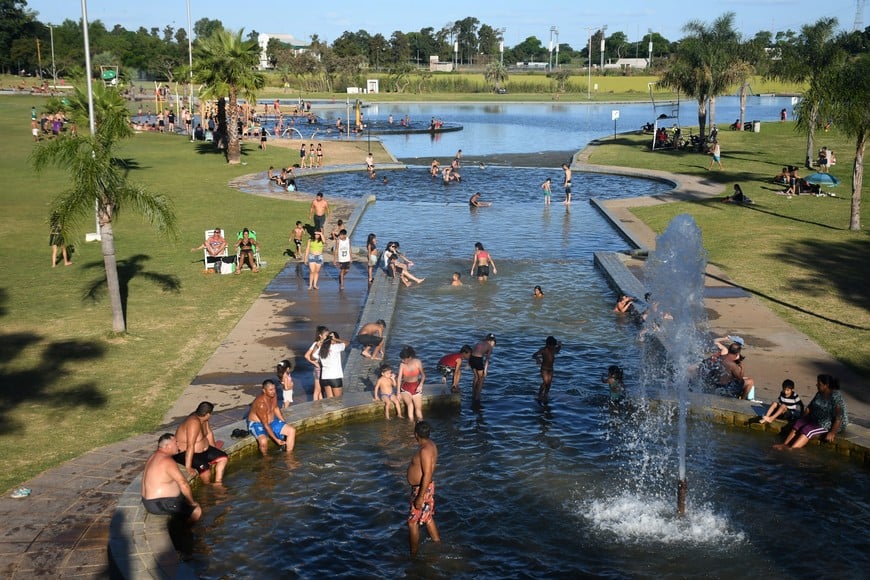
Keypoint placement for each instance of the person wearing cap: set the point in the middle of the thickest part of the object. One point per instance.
(723, 342)
(479, 363)
(732, 380)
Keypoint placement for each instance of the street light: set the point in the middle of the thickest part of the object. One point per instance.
(96, 235)
(53, 69)
(649, 62)
(553, 30)
(603, 30)
(190, 61)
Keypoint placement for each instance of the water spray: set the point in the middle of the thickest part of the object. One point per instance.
(682, 488)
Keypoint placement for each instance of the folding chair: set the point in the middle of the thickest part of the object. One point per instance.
(210, 262)
(252, 235)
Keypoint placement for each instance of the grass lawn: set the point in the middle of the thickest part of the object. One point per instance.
(67, 384)
(797, 254)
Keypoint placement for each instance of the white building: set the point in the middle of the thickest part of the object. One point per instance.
(624, 63)
(263, 40)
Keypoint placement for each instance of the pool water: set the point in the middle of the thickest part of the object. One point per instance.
(566, 490)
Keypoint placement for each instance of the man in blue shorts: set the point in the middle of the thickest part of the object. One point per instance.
(265, 421)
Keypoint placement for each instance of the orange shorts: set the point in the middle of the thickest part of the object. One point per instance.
(423, 515)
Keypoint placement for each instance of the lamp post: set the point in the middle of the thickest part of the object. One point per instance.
(455, 56)
(190, 62)
(556, 62)
(550, 51)
(589, 65)
(53, 69)
(649, 61)
(603, 30)
(93, 237)
(368, 127)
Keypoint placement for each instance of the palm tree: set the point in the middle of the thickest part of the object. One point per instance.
(705, 63)
(807, 59)
(226, 64)
(98, 178)
(844, 100)
(495, 74)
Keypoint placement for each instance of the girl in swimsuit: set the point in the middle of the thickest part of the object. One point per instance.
(384, 391)
(411, 378)
(483, 262)
(372, 252)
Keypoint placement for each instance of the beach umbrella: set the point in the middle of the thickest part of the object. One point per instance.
(822, 179)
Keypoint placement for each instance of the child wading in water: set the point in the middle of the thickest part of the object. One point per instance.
(617, 387)
(546, 187)
(546, 357)
(384, 390)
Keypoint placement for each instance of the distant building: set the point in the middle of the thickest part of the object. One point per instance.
(624, 63)
(288, 39)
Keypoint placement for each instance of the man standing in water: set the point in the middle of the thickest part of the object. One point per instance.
(479, 363)
(420, 474)
(567, 183)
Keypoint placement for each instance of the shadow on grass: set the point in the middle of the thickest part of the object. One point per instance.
(129, 269)
(47, 382)
(794, 219)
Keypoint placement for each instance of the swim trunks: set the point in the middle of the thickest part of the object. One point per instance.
(477, 363)
(425, 514)
(385, 396)
(168, 506)
(482, 271)
(369, 339)
(258, 430)
(203, 460)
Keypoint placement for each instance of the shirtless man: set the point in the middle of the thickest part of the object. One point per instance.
(371, 336)
(479, 363)
(198, 450)
(546, 358)
(265, 421)
(567, 183)
(165, 490)
(319, 211)
(420, 474)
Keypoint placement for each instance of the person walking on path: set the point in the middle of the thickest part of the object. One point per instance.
(319, 211)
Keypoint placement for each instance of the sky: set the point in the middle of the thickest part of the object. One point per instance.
(570, 17)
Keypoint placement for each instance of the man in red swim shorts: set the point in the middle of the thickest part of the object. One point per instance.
(420, 474)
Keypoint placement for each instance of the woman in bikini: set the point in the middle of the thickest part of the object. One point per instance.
(410, 380)
(483, 262)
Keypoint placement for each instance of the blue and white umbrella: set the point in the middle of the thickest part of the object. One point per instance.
(822, 179)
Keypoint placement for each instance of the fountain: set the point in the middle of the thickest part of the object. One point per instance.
(674, 276)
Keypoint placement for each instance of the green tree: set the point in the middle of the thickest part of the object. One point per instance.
(495, 74)
(808, 58)
(205, 27)
(705, 63)
(226, 64)
(99, 178)
(843, 98)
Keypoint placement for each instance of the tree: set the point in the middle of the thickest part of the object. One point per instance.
(205, 27)
(98, 177)
(808, 58)
(226, 64)
(843, 99)
(705, 63)
(495, 74)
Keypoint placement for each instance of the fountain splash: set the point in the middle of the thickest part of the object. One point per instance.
(674, 275)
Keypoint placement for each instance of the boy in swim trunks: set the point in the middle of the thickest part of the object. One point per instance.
(420, 474)
(546, 187)
(384, 388)
(296, 238)
(546, 357)
(567, 183)
(450, 365)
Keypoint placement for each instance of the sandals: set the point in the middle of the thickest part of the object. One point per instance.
(21, 492)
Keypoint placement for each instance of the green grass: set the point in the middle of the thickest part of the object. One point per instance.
(797, 254)
(67, 384)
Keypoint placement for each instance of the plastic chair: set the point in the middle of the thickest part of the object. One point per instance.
(209, 261)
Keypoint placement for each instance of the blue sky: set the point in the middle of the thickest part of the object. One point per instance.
(520, 18)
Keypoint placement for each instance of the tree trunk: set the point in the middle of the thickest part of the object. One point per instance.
(712, 117)
(811, 134)
(110, 262)
(702, 120)
(857, 182)
(743, 104)
(234, 145)
(221, 135)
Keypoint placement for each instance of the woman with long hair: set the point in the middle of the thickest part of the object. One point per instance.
(410, 380)
(372, 253)
(825, 416)
(312, 355)
(482, 262)
(331, 372)
(314, 258)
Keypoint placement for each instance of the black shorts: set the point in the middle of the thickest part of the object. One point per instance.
(482, 271)
(344, 265)
(477, 363)
(332, 383)
(202, 461)
(168, 506)
(369, 339)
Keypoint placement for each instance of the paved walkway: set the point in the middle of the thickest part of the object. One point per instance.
(62, 529)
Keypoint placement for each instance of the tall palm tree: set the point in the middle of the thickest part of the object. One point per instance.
(226, 64)
(807, 59)
(98, 177)
(705, 63)
(844, 100)
(495, 74)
